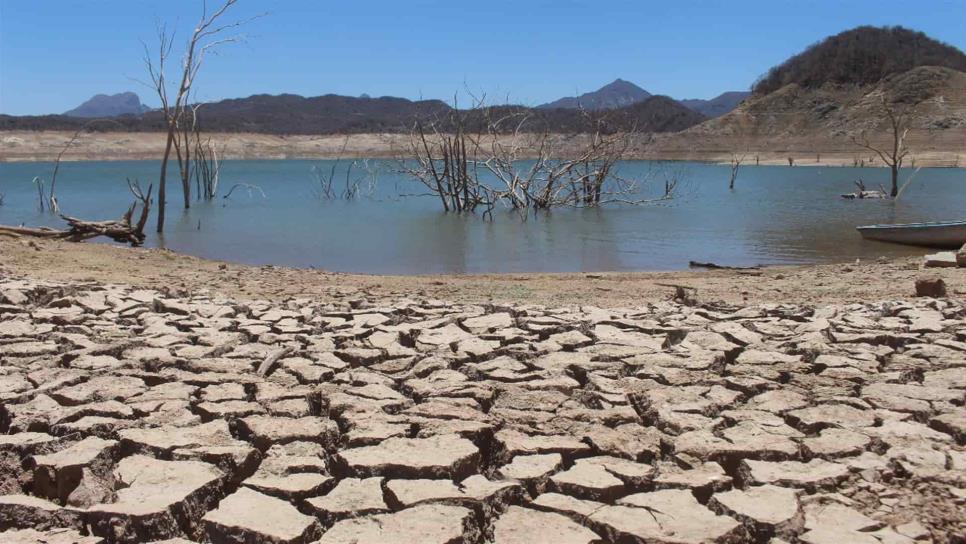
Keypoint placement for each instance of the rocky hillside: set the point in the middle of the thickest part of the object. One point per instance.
(937, 97)
(819, 111)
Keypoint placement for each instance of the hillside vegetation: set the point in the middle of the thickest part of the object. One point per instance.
(861, 56)
(332, 114)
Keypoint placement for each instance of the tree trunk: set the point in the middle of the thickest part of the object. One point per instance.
(895, 181)
(161, 182)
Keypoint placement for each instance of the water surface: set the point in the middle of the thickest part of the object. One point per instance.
(775, 215)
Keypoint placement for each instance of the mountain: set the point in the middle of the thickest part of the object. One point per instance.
(616, 94)
(717, 106)
(861, 56)
(334, 114)
(103, 105)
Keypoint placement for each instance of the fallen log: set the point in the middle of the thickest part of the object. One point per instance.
(715, 266)
(119, 230)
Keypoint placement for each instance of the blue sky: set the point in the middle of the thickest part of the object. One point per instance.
(56, 53)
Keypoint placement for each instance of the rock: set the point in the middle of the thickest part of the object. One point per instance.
(49, 536)
(425, 524)
(413, 492)
(514, 443)
(156, 499)
(601, 478)
(961, 257)
(832, 415)
(765, 510)
(664, 516)
(566, 505)
(57, 474)
(702, 479)
(933, 287)
(833, 442)
(24, 511)
(351, 498)
(288, 486)
(943, 259)
(524, 526)
(814, 474)
(249, 516)
(441, 456)
(532, 470)
(488, 322)
(264, 431)
(92, 489)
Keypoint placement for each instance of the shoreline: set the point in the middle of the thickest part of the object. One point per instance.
(44, 146)
(863, 281)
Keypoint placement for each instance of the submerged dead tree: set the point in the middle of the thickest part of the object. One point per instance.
(179, 115)
(206, 167)
(120, 230)
(893, 154)
(736, 161)
(484, 157)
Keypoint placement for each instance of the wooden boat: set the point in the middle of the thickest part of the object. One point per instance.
(944, 234)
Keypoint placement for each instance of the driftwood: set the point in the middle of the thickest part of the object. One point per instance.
(714, 266)
(119, 230)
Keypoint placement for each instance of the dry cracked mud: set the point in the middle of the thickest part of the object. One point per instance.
(134, 415)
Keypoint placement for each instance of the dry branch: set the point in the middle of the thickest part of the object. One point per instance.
(119, 230)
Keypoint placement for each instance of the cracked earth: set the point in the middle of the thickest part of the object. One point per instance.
(133, 415)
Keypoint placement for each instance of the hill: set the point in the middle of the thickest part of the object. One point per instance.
(717, 106)
(614, 95)
(103, 105)
(861, 56)
(818, 101)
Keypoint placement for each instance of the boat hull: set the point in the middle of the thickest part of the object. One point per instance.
(950, 235)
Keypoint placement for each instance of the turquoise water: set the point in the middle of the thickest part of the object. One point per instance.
(776, 215)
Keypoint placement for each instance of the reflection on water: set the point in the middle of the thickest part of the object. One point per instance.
(776, 215)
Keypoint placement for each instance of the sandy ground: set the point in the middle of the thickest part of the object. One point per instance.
(943, 150)
(154, 268)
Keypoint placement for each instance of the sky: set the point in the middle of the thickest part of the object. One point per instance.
(54, 54)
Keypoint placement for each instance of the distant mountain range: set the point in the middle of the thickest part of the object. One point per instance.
(620, 93)
(333, 114)
(114, 105)
(288, 113)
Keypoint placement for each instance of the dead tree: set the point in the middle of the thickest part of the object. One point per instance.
(484, 157)
(735, 165)
(207, 166)
(207, 35)
(898, 120)
(120, 230)
(441, 152)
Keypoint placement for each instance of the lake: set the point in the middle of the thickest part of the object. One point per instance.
(775, 215)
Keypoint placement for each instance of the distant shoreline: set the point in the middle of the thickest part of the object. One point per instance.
(42, 146)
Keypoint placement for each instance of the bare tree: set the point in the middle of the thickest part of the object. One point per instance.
(179, 115)
(207, 165)
(483, 157)
(736, 161)
(121, 230)
(898, 119)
